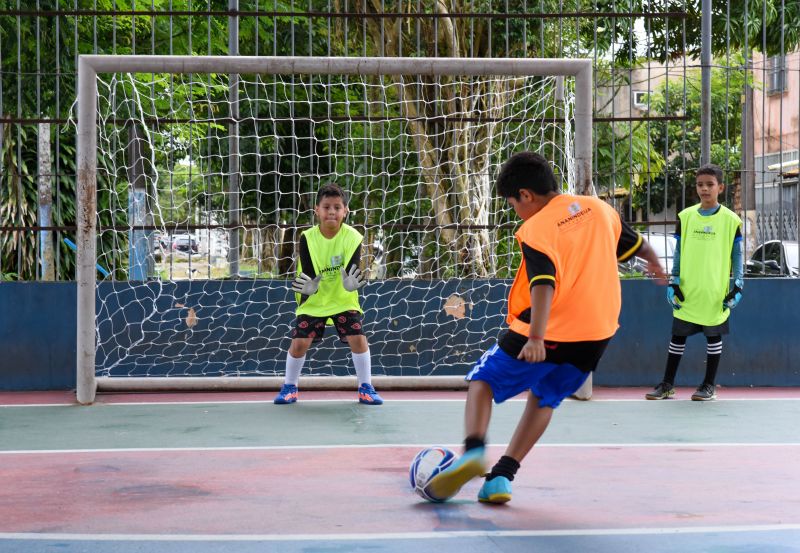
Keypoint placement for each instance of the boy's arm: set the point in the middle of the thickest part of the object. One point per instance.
(305, 257)
(737, 268)
(307, 282)
(541, 299)
(631, 243)
(676, 256)
(737, 256)
(541, 274)
(355, 260)
(352, 279)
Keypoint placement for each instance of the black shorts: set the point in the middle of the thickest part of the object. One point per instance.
(685, 328)
(347, 323)
(583, 355)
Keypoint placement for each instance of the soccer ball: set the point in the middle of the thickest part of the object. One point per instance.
(428, 463)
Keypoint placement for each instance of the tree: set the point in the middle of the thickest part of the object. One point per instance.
(681, 140)
(765, 25)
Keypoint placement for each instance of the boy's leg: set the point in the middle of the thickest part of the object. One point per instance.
(363, 365)
(666, 389)
(531, 426)
(478, 410)
(529, 429)
(713, 355)
(361, 358)
(707, 389)
(556, 383)
(295, 359)
(472, 463)
(350, 329)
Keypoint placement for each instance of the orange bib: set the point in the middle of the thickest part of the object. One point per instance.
(579, 234)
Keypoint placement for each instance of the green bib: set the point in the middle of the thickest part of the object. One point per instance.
(706, 244)
(328, 257)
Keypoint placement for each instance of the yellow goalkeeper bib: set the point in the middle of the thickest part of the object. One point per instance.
(706, 244)
(328, 257)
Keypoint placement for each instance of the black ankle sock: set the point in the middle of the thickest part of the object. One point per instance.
(473, 442)
(506, 466)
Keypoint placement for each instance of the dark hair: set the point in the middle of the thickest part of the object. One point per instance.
(525, 170)
(331, 190)
(710, 169)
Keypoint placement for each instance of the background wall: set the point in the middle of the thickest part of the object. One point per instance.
(37, 334)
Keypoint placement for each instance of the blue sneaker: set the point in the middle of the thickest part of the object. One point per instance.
(288, 394)
(447, 483)
(368, 396)
(497, 490)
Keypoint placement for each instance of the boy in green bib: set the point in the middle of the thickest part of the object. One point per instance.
(327, 283)
(708, 249)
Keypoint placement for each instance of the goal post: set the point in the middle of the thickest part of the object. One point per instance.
(383, 80)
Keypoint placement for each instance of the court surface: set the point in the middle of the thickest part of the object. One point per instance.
(167, 473)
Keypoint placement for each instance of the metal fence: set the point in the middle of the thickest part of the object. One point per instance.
(677, 83)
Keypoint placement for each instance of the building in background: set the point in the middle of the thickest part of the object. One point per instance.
(776, 144)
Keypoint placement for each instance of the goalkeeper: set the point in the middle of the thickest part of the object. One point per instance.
(709, 246)
(327, 283)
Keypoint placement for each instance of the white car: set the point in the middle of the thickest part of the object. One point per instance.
(185, 243)
(775, 258)
(662, 244)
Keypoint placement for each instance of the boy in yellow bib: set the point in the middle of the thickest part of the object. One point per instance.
(327, 283)
(709, 247)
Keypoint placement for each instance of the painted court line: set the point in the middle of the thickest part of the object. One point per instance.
(681, 445)
(389, 401)
(404, 536)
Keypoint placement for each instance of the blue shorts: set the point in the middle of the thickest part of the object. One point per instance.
(507, 376)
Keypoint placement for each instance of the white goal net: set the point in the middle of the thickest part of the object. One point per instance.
(206, 176)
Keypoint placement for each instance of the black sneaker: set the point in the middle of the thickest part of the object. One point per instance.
(706, 392)
(664, 390)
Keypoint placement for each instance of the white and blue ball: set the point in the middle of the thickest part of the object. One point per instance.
(428, 463)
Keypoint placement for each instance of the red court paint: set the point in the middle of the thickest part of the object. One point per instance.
(339, 490)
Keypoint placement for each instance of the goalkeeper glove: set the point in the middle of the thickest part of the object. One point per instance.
(674, 293)
(734, 296)
(352, 279)
(306, 285)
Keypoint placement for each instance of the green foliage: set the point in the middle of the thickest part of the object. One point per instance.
(18, 201)
(653, 161)
(670, 38)
(682, 138)
(626, 159)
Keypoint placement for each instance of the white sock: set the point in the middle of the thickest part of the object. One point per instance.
(293, 367)
(363, 365)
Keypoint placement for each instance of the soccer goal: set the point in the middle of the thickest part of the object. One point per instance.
(197, 174)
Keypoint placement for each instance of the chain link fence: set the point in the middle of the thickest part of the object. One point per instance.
(669, 92)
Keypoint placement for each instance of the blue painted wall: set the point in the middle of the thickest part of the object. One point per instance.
(37, 335)
(245, 325)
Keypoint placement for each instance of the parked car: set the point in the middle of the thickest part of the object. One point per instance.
(775, 258)
(159, 241)
(185, 243)
(664, 246)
